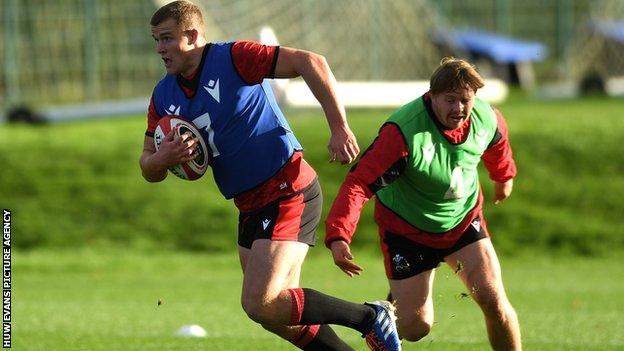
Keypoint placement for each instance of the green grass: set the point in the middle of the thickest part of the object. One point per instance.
(79, 184)
(107, 300)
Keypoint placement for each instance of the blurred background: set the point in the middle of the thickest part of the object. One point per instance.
(95, 246)
(77, 51)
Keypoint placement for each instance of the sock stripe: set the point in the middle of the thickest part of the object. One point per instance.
(308, 333)
(302, 331)
(297, 298)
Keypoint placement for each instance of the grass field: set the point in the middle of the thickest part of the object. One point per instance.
(95, 246)
(107, 300)
(79, 183)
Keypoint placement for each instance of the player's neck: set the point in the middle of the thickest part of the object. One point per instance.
(190, 82)
(195, 58)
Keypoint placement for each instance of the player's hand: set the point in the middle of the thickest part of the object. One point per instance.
(344, 259)
(343, 146)
(502, 191)
(177, 150)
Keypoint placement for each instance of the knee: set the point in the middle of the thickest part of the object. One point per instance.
(414, 330)
(257, 309)
(495, 306)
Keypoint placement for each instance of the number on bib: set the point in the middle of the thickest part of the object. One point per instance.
(204, 122)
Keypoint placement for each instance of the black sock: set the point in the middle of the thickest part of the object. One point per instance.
(327, 340)
(319, 308)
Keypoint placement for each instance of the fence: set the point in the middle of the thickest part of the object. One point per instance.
(72, 51)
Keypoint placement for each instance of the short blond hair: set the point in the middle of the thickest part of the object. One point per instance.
(186, 14)
(453, 74)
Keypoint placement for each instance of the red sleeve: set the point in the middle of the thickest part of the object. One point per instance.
(379, 166)
(498, 158)
(152, 119)
(254, 61)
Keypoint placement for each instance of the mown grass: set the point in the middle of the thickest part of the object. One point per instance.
(79, 184)
(106, 299)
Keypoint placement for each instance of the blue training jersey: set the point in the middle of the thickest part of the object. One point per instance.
(246, 133)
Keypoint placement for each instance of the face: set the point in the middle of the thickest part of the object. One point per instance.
(174, 47)
(452, 108)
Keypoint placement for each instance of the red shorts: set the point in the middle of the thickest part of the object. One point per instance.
(291, 218)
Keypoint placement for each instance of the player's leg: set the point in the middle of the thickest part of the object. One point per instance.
(410, 268)
(262, 224)
(277, 237)
(414, 305)
(271, 272)
(270, 269)
(479, 268)
(289, 333)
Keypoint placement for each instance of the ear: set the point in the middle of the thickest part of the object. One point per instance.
(192, 35)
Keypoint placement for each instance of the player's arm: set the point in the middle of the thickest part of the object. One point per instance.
(173, 150)
(153, 170)
(315, 71)
(498, 160)
(381, 164)
(255, 62)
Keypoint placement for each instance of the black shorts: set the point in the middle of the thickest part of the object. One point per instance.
(404, 258)
(292, 218)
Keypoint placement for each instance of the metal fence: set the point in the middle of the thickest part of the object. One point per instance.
(71, 51)
(566, 27)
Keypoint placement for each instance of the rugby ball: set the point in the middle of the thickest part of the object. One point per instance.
(195, 168)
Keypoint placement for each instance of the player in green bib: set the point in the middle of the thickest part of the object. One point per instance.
(422, 168)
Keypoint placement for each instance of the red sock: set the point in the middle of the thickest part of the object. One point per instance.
(312, 337)
(297, 297)
(305, 335)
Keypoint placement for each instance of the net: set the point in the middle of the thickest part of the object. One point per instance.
(75, 51)
(596, 56)
(70, 51)
(362, 40)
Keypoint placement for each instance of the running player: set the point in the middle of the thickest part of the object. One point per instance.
(258, 162)
(423, 170)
